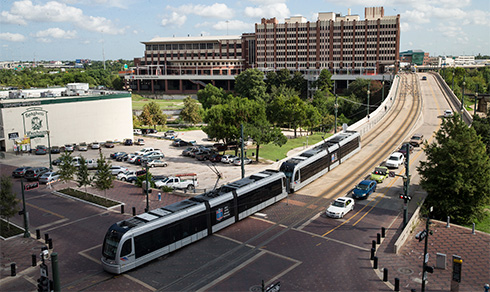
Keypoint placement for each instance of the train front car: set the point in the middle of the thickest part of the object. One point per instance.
(110, 249)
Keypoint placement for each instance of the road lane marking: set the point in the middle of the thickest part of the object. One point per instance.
(44, 210)
(140, 282)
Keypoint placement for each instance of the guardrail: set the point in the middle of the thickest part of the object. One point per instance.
(452, 99)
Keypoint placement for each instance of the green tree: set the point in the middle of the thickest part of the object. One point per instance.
(103, 178)
(456, 174)
(211, 95)
(264, 133)
(482, 128)
(324, 81)
(152, 115)
(66, 169)
(8, 199)
(250, 84)
(313, 118)
(190, 113)
(83, 176)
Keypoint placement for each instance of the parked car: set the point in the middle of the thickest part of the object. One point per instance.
(41, 150)
(395, 160)
(238, 161)
(154, 155)
(82, 146)
(57, 161)
(379, 174)
(198, 150)
(133, 158)
(340, 207)
(116, 169)
(364, 189)
(109, 144)
(69, 148)
(140, 141)
(156, 162)
(125, 175)
(202, 154)
(228, 158)
(125, 157)
(20, 171)
(55, 150)
(115, 155)
(215, 157)
(35, 173)
(50, 176)
(448, 113)
(128, 142)
(95, 145)
(170, 133)
(417, 139)
(180, 143)
(187, 151)
(403, 149)
(220, 147)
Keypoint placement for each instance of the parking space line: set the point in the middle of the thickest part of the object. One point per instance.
(44, 210)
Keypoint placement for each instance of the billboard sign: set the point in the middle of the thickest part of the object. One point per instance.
(35, 122)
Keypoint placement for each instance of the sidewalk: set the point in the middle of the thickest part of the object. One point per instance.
(474, 249)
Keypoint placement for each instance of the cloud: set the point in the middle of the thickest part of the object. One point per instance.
(13, 37)
(234, 25)
(54, 11)
(55, 33)
(175, 19)
(6, 17)
(217, 10)
(278, 10)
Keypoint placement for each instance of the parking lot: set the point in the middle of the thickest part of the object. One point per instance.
(177, 164)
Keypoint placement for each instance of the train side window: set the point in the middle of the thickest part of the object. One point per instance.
(126, 248)
(296, 176)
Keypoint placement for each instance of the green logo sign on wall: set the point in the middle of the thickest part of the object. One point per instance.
(35, 122)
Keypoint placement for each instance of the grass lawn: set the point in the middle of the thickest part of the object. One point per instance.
(139, 102)
(274, 152)
(88, 197)
(8, 230)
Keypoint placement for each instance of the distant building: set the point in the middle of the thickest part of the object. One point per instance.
(414, 57)
(341, 44)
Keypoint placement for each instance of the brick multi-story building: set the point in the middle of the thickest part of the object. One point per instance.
(342, 44)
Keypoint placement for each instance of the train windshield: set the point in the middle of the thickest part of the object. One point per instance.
(111, 242)
(287, 170)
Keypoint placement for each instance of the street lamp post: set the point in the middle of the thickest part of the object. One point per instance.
(462, 98)
(383, 89)
(368, 92)
(146, 190)
(24, 211)
(49, 149)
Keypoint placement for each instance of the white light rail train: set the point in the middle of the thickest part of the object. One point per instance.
(145, 237)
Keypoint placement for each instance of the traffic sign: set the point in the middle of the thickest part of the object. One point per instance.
(426, 258)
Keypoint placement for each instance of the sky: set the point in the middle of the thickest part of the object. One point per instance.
(114, 29)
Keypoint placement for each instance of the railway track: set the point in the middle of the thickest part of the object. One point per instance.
(409, 88)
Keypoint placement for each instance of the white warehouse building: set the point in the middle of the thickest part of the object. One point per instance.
(26, 123)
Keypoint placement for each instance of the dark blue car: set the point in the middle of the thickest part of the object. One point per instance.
(364, 189)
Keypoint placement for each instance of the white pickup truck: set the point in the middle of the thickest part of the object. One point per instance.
(146, 150)
(179, 182)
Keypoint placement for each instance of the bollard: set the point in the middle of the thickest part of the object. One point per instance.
(383, 232)
(385, 275)
(12, 270)
(373, 250)
(159, 196)
(134, 211)
(378, 238)
(473, 229)
(397, 284)
(373, 245)
(34, 260)
(122, 209)
(413, 290)
(447, 225)
(38, 233)
(375, 263)
(50, 243)
(46, 237)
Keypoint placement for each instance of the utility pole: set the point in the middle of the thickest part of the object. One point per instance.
(368, 92)
(426, 268)
(24, 211)
(336, 107)
(49, 148)
(406, 184)
(243, 157)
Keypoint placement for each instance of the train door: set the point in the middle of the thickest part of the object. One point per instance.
(295, 184)
(127, 255)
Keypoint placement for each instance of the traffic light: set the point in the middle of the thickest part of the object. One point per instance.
(43, 284)
(406, 198)
(429, 269)
(421, 235)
